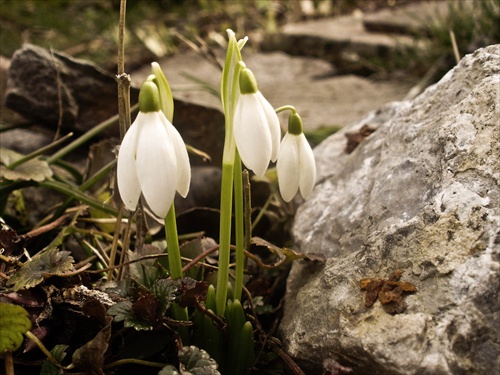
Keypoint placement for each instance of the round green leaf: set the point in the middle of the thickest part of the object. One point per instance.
(14, 323)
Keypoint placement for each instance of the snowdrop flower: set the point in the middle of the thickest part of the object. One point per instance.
(296, 167)
(152, 158)
(256, 126)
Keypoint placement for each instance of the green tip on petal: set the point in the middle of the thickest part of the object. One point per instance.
(295, 124)
(149, 97)
(248, 83)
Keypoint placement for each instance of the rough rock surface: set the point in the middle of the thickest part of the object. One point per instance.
(37, 78)
(421, 194)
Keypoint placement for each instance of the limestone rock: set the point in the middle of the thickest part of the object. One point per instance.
(421, 194)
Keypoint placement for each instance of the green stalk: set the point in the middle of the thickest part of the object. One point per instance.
(229, 95)
(224, 236)
(240, 234)
(174, 254)
(175, 267)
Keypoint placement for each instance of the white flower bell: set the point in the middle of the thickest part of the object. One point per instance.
(256, 126)
(152, 158)
(296, 166)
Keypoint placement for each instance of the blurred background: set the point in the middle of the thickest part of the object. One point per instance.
(156, 28)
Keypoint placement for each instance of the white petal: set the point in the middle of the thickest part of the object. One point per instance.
(287, 167)
(181, 154)
(156, 165)
(252, 134)
(307, 169)
(274, 126)
(128, 184)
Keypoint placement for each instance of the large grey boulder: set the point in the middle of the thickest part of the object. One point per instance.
(421, 194)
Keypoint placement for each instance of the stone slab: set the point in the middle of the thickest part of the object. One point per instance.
(322, 99)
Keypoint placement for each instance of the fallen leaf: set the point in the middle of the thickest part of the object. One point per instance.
(34, 169)
(388, 291)
(43, 265)
(355, 138)
(90, 357)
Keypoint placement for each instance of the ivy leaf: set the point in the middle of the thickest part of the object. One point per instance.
(192, 292)
(123, 312)
(14, 323)
(43, 265)
(165, 290)
(34, 169)
(193, 361)
(145, 271)
(59, 353)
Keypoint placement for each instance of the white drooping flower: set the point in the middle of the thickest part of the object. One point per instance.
(256, 126)
(152, 158)
(296, 166)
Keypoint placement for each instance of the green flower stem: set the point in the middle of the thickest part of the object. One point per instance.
(174, 254)
(290, 108)
(224, 236)
(175, 267)
(239, 227)
(229, 96)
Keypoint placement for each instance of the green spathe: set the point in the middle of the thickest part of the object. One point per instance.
(149, 98)
(248, 83)
(166, 97)
(295, 124)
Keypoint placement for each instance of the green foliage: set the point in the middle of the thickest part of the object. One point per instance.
(149, 309)
(59, 353)
(14, 323)
(43, 265)
(233, 348)
(474, 25)
(193, 361)
(34, 169)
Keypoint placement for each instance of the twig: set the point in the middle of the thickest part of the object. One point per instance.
(114, 244)
(42, 347)
(59, 96)
(9, 363)
(455, 46)
(48, 227)
(123, 78)
(126, 244)
(196, 260)
(133, 361)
